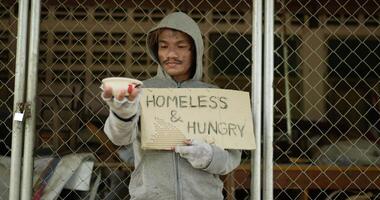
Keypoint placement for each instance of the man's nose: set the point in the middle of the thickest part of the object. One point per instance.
(172, 53)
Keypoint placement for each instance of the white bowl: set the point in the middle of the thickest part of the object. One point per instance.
(118, 83)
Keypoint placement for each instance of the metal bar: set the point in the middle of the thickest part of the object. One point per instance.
(284, 38)
(257, 97)
(268, 100)
(30, 122)
(19, 97)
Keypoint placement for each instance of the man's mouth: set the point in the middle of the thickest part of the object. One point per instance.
(172, 61)
(172, 64)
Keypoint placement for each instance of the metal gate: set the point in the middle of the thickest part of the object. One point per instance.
(315, 99)
(78, 43)
(326, 99)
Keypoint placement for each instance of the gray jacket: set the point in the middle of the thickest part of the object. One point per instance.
(164, 175)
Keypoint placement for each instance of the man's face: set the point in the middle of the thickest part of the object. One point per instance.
(174, 54)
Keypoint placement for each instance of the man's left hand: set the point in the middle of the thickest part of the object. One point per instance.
(197, 152)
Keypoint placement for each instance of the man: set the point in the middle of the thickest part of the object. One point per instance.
(191, 171)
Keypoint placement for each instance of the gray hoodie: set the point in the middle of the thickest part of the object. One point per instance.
(164, 175)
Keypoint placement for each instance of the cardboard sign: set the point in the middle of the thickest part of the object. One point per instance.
(171, 115)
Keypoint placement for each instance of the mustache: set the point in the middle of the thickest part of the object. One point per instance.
(176, 61)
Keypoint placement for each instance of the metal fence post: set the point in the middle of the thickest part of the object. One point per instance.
(268, 101)
(30, 122)
(18, 126)
(256, 99)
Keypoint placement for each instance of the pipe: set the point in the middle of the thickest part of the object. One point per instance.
(268, 100)
(18, 100)
(31, 97)
(257, 97)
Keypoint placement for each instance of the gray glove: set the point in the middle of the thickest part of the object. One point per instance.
(122, 108)
(197, 152)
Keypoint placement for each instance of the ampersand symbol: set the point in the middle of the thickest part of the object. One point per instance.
(174, 117)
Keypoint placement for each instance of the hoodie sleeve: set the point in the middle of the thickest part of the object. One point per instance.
(223, 161)
(121, 132)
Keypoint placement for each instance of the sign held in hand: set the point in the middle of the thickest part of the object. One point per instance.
(219, 116)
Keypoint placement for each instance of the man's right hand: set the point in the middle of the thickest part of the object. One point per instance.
(120, 95)
(123, 106)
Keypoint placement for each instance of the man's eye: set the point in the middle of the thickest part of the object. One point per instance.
(182, 46)
(163, 46)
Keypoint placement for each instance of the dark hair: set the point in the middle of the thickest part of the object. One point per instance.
(153, 42)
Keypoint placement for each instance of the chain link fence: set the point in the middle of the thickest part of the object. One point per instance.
(7, 71)
(327, 111)
(8, 30)
(82, 42)
(326, 84)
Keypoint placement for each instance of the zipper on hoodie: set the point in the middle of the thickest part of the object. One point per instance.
(178, 185)
(176, 161)
(178, 84)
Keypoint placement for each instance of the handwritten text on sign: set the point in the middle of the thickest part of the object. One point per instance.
(169, 116)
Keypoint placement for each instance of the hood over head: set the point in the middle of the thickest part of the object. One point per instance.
(181, 22)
